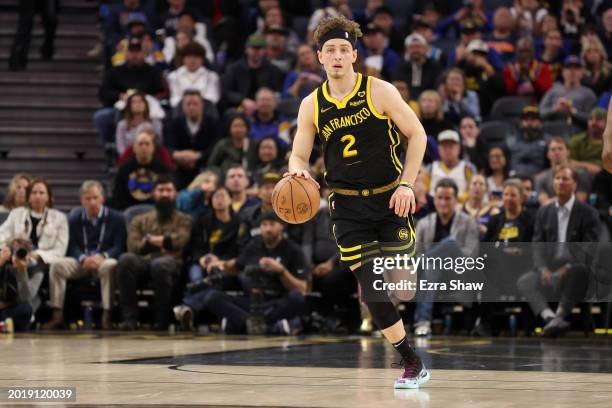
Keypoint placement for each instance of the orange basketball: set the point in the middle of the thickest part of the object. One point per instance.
(295, 200)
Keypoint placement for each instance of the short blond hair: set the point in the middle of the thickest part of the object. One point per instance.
(329, 23)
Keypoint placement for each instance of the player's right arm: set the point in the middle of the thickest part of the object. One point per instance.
(303, 141)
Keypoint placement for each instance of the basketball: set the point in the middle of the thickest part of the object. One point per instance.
(295, 200)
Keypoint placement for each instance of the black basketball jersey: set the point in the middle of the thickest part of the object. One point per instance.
(359, 144)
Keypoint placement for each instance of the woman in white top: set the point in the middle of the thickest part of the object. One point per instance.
(192, 75)
(44, 228)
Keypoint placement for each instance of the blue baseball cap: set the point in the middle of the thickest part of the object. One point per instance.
(572, 61)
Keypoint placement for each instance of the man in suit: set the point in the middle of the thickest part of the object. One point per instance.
(97, 238)
(559, 272)
(445, 233)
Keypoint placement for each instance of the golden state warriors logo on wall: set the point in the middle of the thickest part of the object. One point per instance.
(402, 234)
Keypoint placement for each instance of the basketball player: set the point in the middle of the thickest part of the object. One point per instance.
(357, 119)
(607, 137)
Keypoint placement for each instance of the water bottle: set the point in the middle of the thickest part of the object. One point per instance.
(10, 326)
(448, 324)
(512, 325)
(88, 317)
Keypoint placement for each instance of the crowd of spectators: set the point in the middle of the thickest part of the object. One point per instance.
(198, 109)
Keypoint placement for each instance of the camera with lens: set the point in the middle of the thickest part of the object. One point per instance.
(20, 248)
(213, 280)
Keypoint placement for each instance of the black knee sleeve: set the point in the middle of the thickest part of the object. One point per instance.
(381, 308)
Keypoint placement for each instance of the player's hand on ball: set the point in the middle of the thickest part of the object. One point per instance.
(303, 174)
(403, 201)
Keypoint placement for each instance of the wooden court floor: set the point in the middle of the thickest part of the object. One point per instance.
(141, 369)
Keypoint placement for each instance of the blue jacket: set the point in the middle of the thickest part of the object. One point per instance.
(113, 241)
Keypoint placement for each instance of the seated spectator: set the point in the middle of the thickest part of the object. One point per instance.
(432, 119)
(274, 16)
(598, 69)
(471, 31)
(39, 228)
(404, 90)
(528, 153)
(153, 55)
(193, 76)
(558, 272)
(307, 75)
(605, 32)
(266, 120)
(457, 101)
(236, 182)
(553, 52)
(378, 57)
(423, 200)
(481, 77)
(14, 292)
(473, 147)
(187, 23)
(478, 206)
(97, 238)
(183, 38)
(134, 74)
(265, 186)
(602, 188)
(450, 164)
(572, 19)
(155, 243)
(502, 38)
(266, 156)
(272, 266)
(244, 77)
(135, 179)
(232, 150)
(216, 235)
(135, 114)
(195, 199)
(512, 223)
(161, 152)
(277, 48)
(444, 233)
(528, 14)
(426, 30)
(497, 171)
(527, 76)
(530, 196)
(569, 100)
(192, 137)
(559, 155)
(168, 20)
(335, 9)
(586, 147)
(16, 192)
(383, 18)
(115, 24)
(416, 69)
(473, 13)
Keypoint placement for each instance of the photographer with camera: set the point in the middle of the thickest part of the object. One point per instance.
(273, 275)
(97, 238)
(43, 231)
(14, 286)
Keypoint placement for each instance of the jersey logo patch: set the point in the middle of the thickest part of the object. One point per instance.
(361, 94)
(402, 234)
(357, 103)
(326, 109)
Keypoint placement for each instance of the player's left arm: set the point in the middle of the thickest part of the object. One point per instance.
(388, 101)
